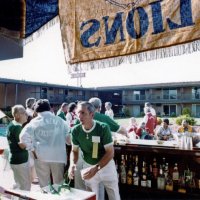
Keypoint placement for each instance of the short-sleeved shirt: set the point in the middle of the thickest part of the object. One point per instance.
(17, 155)
(114, 126)
(61, 114)
(83, 138)
(164, 132)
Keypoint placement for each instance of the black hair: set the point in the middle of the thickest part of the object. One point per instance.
(42, 105)
(166, 121)
(71, 107)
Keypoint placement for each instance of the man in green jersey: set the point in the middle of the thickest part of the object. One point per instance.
(113, 125)
(95, 141)
(18, 154)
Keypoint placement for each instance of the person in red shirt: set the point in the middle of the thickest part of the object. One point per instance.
(149, 120)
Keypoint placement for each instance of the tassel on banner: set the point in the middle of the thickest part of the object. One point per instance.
(177, 50)
(40, 31)
(36, 34)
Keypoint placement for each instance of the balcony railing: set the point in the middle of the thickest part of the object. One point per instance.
(128, 99)
(59, 99)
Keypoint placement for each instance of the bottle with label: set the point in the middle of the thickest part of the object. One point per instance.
(123, 170)
(136, 174)
(189, 180)
(181, 184)
(175, 176)
(155, 168)
(161, 180)
(150, 178)
(143, 175)
(166, 170)
(129, 179)
(169, 183)
(163, 164)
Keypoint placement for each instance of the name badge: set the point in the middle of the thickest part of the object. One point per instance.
(96, 139)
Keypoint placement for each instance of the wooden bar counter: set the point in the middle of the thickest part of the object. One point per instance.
(146, 152)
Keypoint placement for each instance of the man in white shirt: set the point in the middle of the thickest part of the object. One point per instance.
(46, 137)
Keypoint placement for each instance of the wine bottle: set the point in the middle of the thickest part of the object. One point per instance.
(150, 177)
(144, 175)
(169, 183)
(135, 174)
(161, 180)
(175, 176)
(123, 170)
(155, 168)
(130, 176)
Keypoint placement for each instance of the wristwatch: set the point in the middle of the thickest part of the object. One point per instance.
(98, 167)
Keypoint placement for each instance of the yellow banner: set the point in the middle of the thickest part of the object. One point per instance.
(94, 30)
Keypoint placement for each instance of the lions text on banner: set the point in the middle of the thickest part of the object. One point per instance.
(112, 31)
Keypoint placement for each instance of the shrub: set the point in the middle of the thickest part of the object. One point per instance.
(141, 114)
(191, 120)
(127, 112)
(186, 111)
(173, 114)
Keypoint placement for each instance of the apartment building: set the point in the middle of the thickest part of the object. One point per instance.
(168, 99)
(17, 91)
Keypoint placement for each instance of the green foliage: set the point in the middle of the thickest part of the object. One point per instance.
(141, 114)
(187, 117)
(127, 112)
(173, 114)
(186, 111)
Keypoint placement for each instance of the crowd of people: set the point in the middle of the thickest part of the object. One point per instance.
(37, 138)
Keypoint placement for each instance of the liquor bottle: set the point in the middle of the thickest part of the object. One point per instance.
(144, 175)
(135, 174)
(163, 164)
(181, 184)
(166, 170)
(161, 179)
(155, 168)
(130, 176)
(189, 184)
(123, 170)
(169, 183)
(150, 178)
(175, 176)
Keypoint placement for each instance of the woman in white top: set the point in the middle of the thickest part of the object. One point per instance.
(109, 111)
(164, 132)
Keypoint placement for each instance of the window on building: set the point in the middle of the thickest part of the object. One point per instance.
(169, 110)
(169, 94)
(139, 94)
(196, 93)
(44, 93)
(60, 91)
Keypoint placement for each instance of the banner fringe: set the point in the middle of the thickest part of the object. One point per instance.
(172, 51)
(41, 30)
(35, 35)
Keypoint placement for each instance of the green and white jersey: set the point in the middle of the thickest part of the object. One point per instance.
(61, 114)
(114, 126)
(17, 155)
(83, 138)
